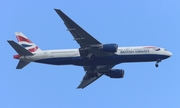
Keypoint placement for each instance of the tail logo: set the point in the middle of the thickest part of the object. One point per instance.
(22, 39)
(33, 49)
(27, 44)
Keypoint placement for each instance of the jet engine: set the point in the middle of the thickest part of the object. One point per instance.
(115, 73)
(109, 47)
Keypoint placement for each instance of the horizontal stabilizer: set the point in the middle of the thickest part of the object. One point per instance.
(19, 49)
(22, 64)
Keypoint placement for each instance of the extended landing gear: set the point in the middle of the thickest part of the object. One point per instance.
(157, 63)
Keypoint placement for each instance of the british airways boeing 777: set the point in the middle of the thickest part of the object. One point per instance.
(96, 58)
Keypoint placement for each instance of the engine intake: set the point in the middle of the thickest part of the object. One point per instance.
(110, 47)
(115, 73)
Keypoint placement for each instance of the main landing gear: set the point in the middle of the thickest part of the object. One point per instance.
(157, 63)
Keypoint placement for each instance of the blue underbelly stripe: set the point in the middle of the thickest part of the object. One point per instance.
(115, 59)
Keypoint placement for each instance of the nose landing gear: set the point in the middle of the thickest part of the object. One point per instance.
(157, 63)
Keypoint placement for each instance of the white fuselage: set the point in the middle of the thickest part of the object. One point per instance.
(124, 54)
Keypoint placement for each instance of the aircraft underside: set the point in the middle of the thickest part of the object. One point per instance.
(115, 59)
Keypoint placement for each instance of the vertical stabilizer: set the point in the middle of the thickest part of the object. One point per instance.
(26, 43)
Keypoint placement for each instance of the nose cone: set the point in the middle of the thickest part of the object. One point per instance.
(169, 54)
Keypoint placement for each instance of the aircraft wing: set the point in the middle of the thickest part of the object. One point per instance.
(99, 70)
(86, 82)
(83, 38)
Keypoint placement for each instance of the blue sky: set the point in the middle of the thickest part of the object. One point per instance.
(127, 23)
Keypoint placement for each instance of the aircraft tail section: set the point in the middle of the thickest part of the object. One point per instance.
(22, 64)
(26, 43)
(21, 52)
(19, 49)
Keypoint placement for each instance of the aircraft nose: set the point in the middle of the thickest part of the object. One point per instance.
(169, 54)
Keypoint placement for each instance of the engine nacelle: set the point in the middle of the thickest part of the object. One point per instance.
(115, 73)
(109, 47)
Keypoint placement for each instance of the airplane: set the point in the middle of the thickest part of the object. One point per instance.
(96, 58)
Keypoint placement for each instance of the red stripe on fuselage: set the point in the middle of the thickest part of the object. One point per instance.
(150, 47)
(20, 38)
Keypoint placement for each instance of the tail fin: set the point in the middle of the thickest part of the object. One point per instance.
(26, 43)
(22, 52)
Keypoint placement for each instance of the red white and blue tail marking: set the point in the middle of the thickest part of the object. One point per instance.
(26, 43)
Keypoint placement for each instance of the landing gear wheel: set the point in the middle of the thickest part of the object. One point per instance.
(159, 60)
(156, 65)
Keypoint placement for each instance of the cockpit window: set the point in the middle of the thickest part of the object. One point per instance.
(165, 50)
(157, 49)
